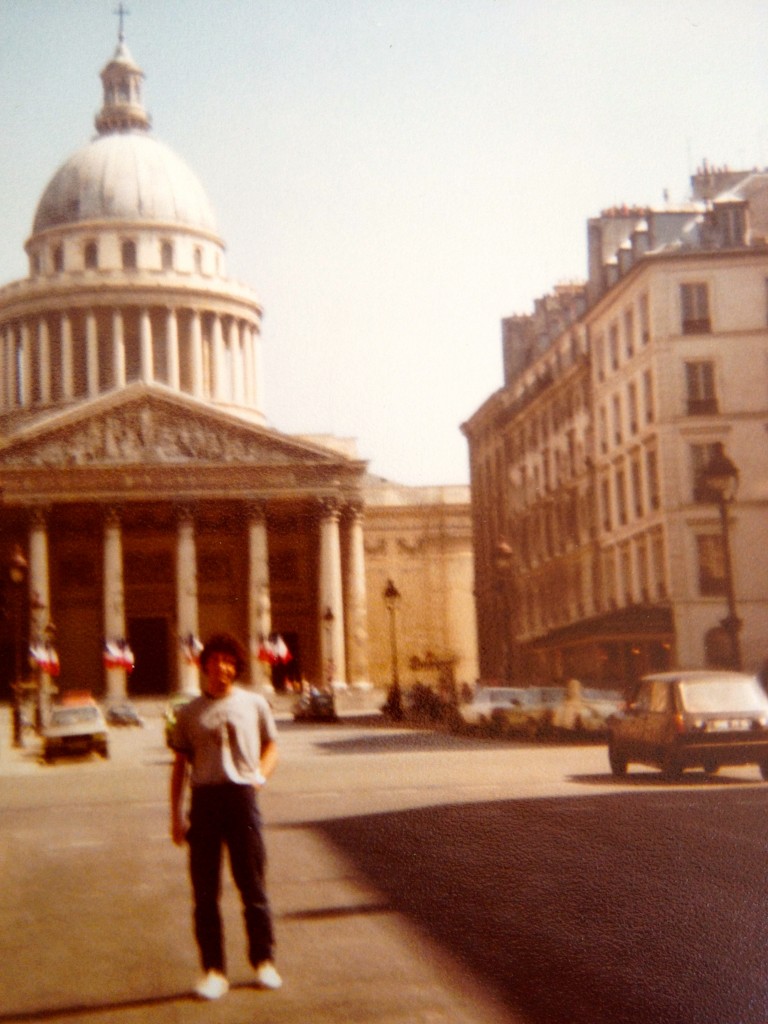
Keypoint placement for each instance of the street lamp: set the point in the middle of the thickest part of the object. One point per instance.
(720, 477)
(17, 573)
(394, 703)
(503, 556)
(328, 620)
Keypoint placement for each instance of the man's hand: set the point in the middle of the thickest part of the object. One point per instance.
(179, 829)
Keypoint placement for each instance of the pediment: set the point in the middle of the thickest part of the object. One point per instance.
(151, 429)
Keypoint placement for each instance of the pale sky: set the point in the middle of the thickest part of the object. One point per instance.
(392, 177)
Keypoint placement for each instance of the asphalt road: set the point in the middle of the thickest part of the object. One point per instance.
(415, 877)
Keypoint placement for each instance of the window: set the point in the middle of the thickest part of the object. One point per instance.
(694, 304)
(709, 548)
(603, 429)
(58, 259)
(650, 413)
(632, 403)
(600, 356)
(652, 474)
(166, 256)
(617, 431)
(91, 255)
(637, 488)
(700, 388)
(613, 346)
(128, 253)
(629, 333)
(621, 496)
(700, 456)
(198, 260)
(643, 310)
(605, 501)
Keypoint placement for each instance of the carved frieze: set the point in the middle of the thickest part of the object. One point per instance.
(150, 433)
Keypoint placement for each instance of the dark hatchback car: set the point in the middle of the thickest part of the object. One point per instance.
(682, 720)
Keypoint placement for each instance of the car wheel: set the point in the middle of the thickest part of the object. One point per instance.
(671, 768)
(530, 728)
(617, 761)
(498, 723)
(764, 770)
(712, 768)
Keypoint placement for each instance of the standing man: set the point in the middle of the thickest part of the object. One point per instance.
(226, 743)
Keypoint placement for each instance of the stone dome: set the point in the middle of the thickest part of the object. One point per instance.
(125, 176)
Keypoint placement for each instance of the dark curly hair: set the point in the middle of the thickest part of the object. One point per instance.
(224, 643)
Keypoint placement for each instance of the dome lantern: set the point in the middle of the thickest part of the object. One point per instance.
(123, 109)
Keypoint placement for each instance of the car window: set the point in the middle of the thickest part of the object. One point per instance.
(659, 697)
(643, 700)
(68, 716)
(724, 695)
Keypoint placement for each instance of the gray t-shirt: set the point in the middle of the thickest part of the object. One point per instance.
(222, 737)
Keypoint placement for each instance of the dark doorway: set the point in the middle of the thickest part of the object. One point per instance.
(149, 642)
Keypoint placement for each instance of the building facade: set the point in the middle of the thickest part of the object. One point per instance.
(599, 552)
(148, 496)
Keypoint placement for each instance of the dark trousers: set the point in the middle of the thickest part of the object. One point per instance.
(228, 815)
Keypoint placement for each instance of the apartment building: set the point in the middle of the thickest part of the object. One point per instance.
(599, 553)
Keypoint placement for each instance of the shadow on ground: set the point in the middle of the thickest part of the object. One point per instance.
(644, 908)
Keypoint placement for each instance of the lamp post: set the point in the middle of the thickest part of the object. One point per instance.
(328, 619)
(503, 556)
(17, 573)
(720, 477)
(394, 702)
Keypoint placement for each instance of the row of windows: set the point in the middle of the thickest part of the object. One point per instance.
(128, 256)
(626, 335)
(631, 490)
(630, 573)
(630, 412)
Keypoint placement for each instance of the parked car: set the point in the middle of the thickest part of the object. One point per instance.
(124, 714)
(695, 719)
(584, 709)
(315, 706)
(178, 700)
(75, 729)
(502, 706)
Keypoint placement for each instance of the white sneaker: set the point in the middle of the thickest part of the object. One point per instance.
(267, 976)
(213, 985)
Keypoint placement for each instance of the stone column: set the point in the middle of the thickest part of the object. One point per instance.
(218, 391)
(357, 609)
(197, 354)
(114, 603)
(147, 370)
(172, 345)
(186, 602)
(40, 620)
(44, 360)
(25, 360)
(92, 354)
(39, 585)
(118, 349)
(331, 628)
(67, 363)
(259, 599)
(248, 372)
(236, 364)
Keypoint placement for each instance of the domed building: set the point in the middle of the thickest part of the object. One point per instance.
(152, 502)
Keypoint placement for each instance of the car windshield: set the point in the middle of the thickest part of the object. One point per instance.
(729, 695)
(68, 716)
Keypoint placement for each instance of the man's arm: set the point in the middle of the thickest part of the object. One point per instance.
(178, 787)
(268, 758)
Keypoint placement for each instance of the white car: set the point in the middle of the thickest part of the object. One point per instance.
(585, 709)
(497, 705)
